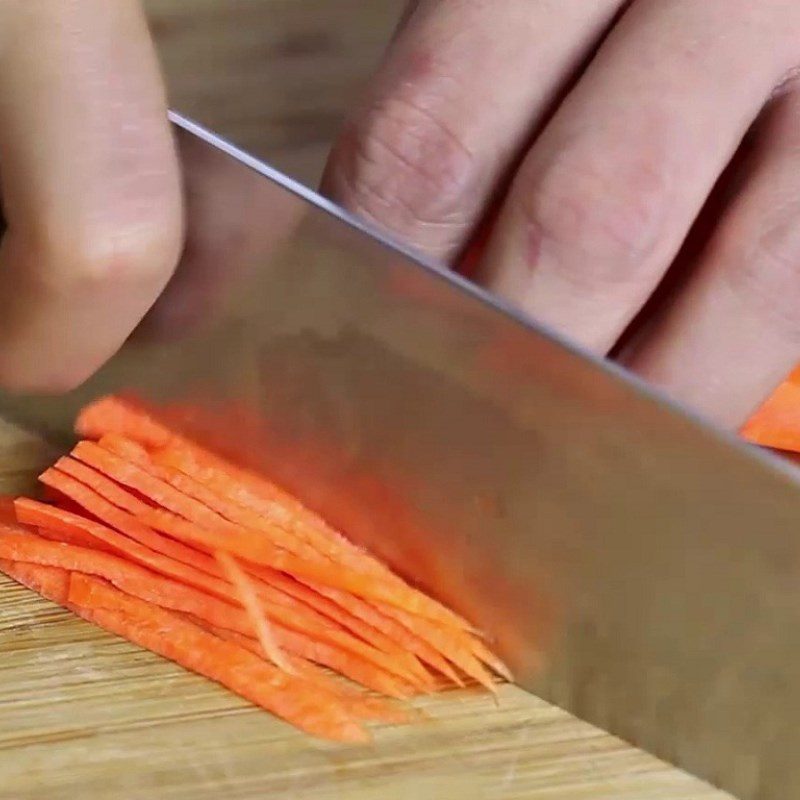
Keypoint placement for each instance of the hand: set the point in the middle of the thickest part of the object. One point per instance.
(597, 131)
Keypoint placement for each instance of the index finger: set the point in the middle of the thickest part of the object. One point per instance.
(90, 186)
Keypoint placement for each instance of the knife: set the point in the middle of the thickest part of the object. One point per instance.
(636, 566)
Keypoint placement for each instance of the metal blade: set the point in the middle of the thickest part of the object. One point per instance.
(639, 568)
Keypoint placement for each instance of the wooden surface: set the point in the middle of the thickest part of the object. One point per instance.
(84, 715)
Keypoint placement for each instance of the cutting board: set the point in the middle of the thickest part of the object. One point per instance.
(86, 715)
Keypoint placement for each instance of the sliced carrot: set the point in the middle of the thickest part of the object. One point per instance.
(116, 415)
(451, 643)
(104, 486)
(193, 500)
(374, 709)
(776, 423)
(251, 604)
(51, 583)
(113, 415)
(394, 631)
(293, 616)
(263, 553)
(177, 639)
(273, 510)
(89, 498)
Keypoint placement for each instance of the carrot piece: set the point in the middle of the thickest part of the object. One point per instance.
(105, 487)
(451, 643)
(177, 639)
(115, 415)
(265, 554)
(242, 501)
(97, 504)
(293, 617)
(51, 583)
(139, 582)
(374, 709)
(396, 632)
(491, 660)
(193, 500)
(251, 604)
(776, 423)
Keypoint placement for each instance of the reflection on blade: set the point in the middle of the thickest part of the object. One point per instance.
(650, 564)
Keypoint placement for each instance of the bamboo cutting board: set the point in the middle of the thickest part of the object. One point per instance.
(85, 716)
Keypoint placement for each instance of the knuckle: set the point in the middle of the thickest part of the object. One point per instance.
(615, 220)
(404, 167)
(93, 255)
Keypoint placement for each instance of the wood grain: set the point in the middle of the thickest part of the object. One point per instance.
(85, 715)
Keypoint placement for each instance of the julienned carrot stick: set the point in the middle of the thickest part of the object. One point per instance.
(250, 602)
(449, 642)
(776, 423)
(50, 582)
(113, 415)
(169, 635)
(293, 617)
(194, 567)
(364, 707)
(393, 630)
(154, 588)
(260, 552)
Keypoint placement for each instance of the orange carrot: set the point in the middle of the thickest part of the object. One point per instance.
(51, 583)
(450, 642)
(294, 617)
(776, 423)
(177, 639)
(362, 706)
(250, 602)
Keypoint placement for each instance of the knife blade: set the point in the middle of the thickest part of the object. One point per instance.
(638, 567)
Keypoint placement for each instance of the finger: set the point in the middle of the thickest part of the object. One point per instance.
(606, 196)
(734, 332)
(235, 220)
(458, 94)
(90, 186)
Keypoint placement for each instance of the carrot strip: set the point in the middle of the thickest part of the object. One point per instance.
(177, 639)
(51, 583)
(139, 582)
(375, 709)
(396, 632)
(92, 498)
(451, 643)
(114, 415)
(776, 423)
(241, 501)
(251, 604)
(202, 500)
(105, 487)
(266, 554)
(292, 616)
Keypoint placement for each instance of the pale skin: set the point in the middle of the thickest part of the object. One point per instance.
(598, 133)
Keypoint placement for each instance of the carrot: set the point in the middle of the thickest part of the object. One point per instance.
(259, 552)
(451, 643)
(114, 415)
(250, 602)
(394, 631)
(199, 504)
(776, 423)
(173, 637)
(293, 617)
(364, 707)
(51, 583)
